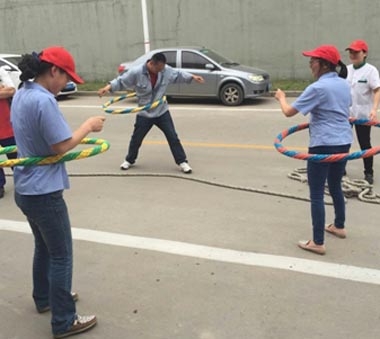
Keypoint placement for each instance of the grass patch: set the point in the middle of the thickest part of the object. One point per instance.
(290, 85)
(92, 85)
(284, 84)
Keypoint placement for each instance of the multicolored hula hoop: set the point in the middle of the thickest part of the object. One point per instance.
(325, 157)
(130, 109)
(101, 146)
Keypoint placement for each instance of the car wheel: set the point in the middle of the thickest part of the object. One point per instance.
(231, 94)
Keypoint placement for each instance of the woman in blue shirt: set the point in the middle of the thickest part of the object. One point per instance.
(41, 130)
(328, 101)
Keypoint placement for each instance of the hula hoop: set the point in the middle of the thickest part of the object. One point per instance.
(130, 109)
(101, 146)
(325, 157)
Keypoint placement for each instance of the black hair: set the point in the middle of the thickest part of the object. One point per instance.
(31, 66)
(343, 70)
(158, 58)
(332, 68)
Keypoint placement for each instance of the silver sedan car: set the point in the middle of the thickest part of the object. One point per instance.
(224, 79)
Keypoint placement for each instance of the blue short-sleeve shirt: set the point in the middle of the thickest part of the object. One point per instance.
(328, 101)
(38, 124)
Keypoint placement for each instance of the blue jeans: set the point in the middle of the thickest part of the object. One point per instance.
(53, 255)
(165, 123)
(317, 173)
(3, 143)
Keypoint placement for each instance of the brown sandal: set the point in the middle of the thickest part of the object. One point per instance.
(338, 232)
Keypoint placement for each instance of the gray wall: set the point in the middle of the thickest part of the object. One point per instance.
(269, 34)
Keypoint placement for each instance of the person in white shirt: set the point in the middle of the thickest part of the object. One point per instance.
(364, 81)
(7, 90)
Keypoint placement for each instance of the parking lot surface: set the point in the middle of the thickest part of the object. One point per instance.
(211, 255)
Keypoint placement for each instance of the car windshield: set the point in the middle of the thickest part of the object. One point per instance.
(216, 57)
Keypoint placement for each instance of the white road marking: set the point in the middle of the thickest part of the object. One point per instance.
(331, 270)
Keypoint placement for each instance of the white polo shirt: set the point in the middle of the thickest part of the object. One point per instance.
(363, 81)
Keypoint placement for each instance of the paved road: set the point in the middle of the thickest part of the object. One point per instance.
(213, 257)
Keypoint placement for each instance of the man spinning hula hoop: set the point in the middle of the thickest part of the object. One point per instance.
(150, 81)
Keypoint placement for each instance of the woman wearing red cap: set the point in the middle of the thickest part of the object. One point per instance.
(40, 130)
(365, 91)
(327, 100)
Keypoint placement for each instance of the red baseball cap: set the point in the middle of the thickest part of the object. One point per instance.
(326, 52)
(61, 58)
(358, 45)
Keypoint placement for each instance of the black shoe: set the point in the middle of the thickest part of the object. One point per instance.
(369, 178)
(1, 192)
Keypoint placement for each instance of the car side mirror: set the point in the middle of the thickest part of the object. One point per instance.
(210, 67)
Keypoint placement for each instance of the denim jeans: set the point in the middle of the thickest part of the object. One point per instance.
(3, 143)
(53, 256)
(317, 173)
(165, 123)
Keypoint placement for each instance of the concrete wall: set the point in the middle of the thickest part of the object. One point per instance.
(268, 34)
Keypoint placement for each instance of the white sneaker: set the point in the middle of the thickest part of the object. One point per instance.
(185, 168)
(81, 324)
(125, 165)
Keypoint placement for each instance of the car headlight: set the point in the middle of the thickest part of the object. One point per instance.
(255, 78)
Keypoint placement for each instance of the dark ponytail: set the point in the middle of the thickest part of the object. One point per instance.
(343, 70)
(31, 66)
(332, 67)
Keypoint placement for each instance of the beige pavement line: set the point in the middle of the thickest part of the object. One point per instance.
(326, 269)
